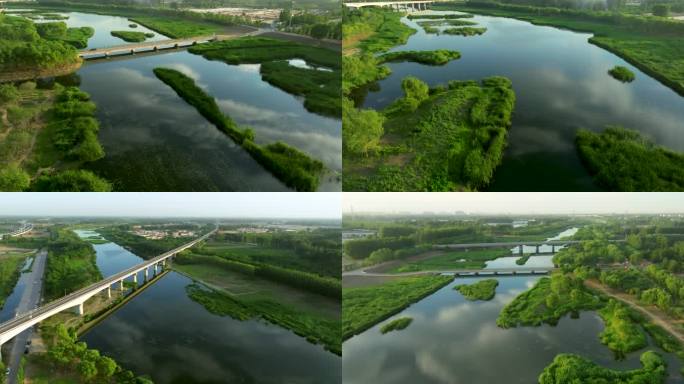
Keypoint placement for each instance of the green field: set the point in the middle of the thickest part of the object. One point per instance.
(177, 28)
(474, 259)
(364, 307)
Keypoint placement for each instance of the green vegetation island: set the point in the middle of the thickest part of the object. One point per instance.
(548, 301)
(465, 31)
(396, 325)
(622, 74)
(482, 290)
(132, 36)
(432, 139)
(569, 368)
(293, 167)
(624, 160)
(448, 138)
(366, 306)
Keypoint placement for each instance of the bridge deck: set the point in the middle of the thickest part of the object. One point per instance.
(150, 45)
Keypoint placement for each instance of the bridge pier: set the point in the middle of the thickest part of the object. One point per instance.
(109, 292)
(553, 248)
(146, 273)
(520, 249)
(121, 285)
(135, 278)
(79, 309)
(537, 249)
(132, 51)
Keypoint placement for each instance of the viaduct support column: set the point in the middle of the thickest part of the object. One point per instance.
(135, 278)
(520, 249)
(537, 248)
(553, 249)
(121, 284)
(79, 309)
(109, 292)
(146, 273)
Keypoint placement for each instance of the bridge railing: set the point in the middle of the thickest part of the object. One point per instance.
(97, 286)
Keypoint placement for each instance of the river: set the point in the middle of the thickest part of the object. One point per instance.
(155, 141)
(164, 334)
(456, 341)
(561, 85)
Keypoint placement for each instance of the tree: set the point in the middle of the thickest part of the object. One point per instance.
(361, 129)
(285, 15)
(662, 10)
(8, 93)
(13, 179)
(87, 369)
(106, 367)
(415, 89)
(72, 181)
(320, 31)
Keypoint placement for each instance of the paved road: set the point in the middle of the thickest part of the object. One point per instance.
(30, 299)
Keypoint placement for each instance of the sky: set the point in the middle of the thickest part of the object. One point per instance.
(223, 205)
(514, 203)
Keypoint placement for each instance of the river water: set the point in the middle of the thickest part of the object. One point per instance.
(561, 85)
(155, 141)
(455, 341)
(164, 334)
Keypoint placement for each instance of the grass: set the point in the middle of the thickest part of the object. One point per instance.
(320, 88)
(447, 16)
(396, 325)
(78, 37)
(364, 307)
(624, 160)
(653, 46)
(453, 23)
(621, 334)
(451, 141)
(177, 28)
(465, 31)
(315, 329)
(482, 290)
(474, 259)
(546, 302)
(374, 31)
(293, 167)
(436, 57)
(622, 73)
(132, 36)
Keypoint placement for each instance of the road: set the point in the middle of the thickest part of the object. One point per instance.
(30, 299)
(656, 316)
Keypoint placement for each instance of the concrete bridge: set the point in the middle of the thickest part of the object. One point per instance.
(150, 46)
(513, 244)
(409, 6)
(74, 301)
(522, 271)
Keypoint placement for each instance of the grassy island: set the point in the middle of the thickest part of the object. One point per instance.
(295, 168)
(453, 23)
(569, 368)
(177, 28)
(622, 334)
(396, 324)
(319, 87)
(446, 16)
(622, 73)
(548, 301)
(623, 160)
(465, 31)
(474, 259)
(436, 57)
(132, 36)
(363, 307)
(482, 290)
(447, 138)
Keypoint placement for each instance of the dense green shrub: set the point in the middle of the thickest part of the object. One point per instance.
(623, 160)
(622, 73)
(71, 181)
(481, 290)
(13, 179)
(465, 31)
(396, 324)
(130, 36)
(568, 368)
(363, 128)
(436, 57)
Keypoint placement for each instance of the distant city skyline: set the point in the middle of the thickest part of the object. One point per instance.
(513, 203)
(275, 205)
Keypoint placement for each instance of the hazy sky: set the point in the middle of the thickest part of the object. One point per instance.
(252, 204)
(514, 203)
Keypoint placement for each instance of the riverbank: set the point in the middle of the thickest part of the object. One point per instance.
(650, 44)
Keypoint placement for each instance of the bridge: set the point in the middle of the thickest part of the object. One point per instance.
(522, 271)
(26, 228)
(409, 6)
(150, 46)
(75, 300)
(513, 244)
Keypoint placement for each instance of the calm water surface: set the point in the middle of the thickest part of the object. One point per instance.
(164, 334)
(561, 85)
(455, 341)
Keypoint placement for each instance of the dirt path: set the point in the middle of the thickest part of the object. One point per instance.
(657, 316)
